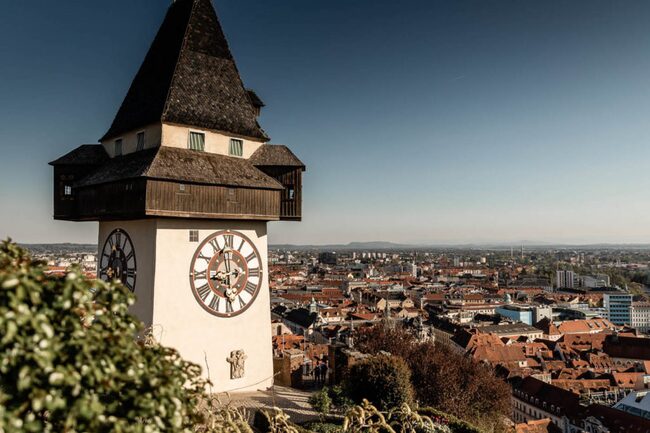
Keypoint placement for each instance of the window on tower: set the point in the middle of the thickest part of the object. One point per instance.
(196, 141)
(67, 190)
(140, 141)
(236, 147)
(118, 147)
(194, 235)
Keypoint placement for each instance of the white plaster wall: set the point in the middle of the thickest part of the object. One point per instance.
(180, 322)
(143, 237)
(165, 300)
(152, 138)
(215, 141)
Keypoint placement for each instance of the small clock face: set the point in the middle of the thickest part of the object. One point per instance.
(117, 261)
(226, 273)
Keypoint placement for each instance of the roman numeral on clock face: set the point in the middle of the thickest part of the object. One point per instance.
(229, 239)
(214, 303)
(242, 304)
(203, 291)
(228, 307)
(250, 288)
(254, 272)
(215, 245)
(204, 257)
(251, 256)
(200, 275)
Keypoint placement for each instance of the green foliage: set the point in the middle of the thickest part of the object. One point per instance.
(445, 379)
(367, 418)
(456, 425)
(340, 399)
(222, 419)
(70, 362)
(406, 420)
(321, 401)
(384, 380)
(323, 427)
(275, 421)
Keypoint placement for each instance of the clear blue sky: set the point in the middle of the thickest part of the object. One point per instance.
(419, 121)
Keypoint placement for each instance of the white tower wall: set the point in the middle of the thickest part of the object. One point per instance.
(165, 300)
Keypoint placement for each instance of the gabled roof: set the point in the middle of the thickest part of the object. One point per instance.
(269, 155)
(627, 347)
(181, 165)
(537, 393)
(189, 77)
(302, 317)
(617, 421)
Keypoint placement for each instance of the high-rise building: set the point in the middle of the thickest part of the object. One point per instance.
(183, 185)
(413, 269)
(328, 258)
(564, 279)
(640, 316)
(618, 307)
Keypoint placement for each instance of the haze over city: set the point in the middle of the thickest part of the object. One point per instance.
(439, 122)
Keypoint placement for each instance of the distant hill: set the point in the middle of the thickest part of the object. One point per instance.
(60, 248)
(528, 246)
(375, 245)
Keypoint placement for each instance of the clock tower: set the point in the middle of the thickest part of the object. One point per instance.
(183, 185)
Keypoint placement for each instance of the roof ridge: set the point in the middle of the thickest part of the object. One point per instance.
(178, 58)
(189, 77)
(238, 75)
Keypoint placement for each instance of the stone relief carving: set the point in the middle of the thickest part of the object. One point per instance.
(236, 360)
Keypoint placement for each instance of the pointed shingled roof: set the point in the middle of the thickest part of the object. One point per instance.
(189, 77)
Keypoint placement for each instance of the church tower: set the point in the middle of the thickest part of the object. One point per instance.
(183, 184)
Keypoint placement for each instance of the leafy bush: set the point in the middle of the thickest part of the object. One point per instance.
(366, 418)
(321, 401)
(456, 425)
(457, 385)
(445, 379)
(323, 427)
(384, 380)
(70, 362)
(275, 421)
(340, 399)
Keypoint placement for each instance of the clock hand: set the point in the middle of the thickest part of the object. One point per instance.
(226, 258)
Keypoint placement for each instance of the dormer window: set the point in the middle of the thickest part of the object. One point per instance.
(196, 141)
(236, 147)
(118, 147)
(67, 190)
(139, 141)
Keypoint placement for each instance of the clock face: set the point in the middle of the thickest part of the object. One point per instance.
(226, 273)
(117, 261)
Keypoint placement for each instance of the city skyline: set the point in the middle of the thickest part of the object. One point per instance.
(472, 122)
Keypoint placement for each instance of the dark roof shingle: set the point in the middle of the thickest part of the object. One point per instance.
(86, 154)
(189, 77)
(182, 165)
(269, 155)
